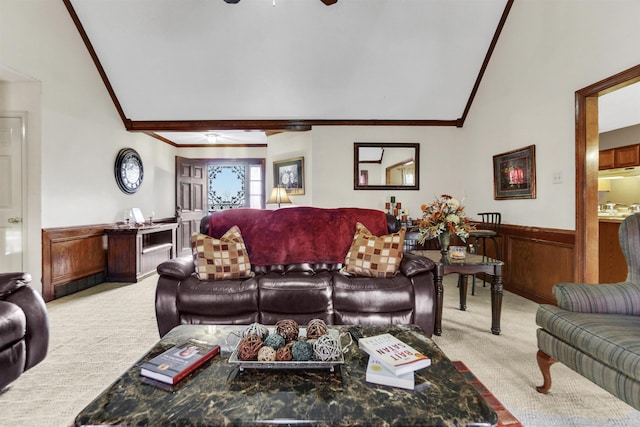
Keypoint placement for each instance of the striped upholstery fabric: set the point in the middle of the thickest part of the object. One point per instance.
(620, 385)
(611, 339)
(595, 329)
(629, 235)
(618, 298)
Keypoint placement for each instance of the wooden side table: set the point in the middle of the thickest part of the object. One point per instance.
(471, 264)
(134, 253)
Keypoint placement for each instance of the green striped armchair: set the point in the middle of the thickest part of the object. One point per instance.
(595, 329)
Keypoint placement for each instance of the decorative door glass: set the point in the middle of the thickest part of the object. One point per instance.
(234, 186)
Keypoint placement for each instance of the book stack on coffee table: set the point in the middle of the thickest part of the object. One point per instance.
(391, 361)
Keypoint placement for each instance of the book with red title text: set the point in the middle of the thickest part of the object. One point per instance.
(174, 364)
(395, 355)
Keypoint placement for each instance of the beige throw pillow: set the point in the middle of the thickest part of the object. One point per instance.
(219, 259)
(373, 256)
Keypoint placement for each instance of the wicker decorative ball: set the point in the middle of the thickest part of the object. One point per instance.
(266, 354)
(327, 348)
(256, 329)
(248, 347)
(284, 354)
(288, 328)
(316, 328)
(301, 351)
(274, 341)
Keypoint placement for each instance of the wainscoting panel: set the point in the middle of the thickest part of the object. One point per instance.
(69, 254)
(536, 259)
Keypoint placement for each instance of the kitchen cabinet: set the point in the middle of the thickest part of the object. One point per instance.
(134, 253)
(607, 159)
(612, 266)
(620, 157)
(627, 156)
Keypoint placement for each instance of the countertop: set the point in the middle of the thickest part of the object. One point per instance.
(612, 219)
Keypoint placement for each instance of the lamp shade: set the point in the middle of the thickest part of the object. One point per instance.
(279, 195)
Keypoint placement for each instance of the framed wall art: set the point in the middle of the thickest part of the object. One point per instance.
(290, 175)
(514, 174)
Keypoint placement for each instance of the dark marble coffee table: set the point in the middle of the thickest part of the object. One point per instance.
(219, 394)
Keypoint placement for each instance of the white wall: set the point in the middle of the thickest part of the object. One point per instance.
(284, 146)
(440, 165)
(71, 151)
(547, 51)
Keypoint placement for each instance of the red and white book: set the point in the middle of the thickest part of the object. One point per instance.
(394, 354)
(179, 361)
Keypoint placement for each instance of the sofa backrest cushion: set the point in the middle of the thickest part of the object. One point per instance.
(374, 256)
(221, 259)
(298, 234)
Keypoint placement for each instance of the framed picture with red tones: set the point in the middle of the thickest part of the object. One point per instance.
(514, 174)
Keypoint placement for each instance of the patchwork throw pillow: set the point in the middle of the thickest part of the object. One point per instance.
(224, 258)
(373, 256)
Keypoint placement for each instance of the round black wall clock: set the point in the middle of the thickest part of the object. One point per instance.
(128, 170)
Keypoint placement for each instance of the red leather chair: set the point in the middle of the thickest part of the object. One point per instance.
(24, 327)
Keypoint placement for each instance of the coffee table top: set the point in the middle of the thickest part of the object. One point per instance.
(219, 394)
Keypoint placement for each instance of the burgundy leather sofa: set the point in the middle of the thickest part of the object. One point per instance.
(297, 254)
(24, 327)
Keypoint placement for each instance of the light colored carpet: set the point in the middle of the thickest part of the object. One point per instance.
(98, 333)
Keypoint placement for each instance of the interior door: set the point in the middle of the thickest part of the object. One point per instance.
(11, 224)
(191, 200)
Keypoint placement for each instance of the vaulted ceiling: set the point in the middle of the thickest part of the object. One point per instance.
(270, 65)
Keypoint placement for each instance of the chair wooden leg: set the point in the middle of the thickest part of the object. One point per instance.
(544, 363)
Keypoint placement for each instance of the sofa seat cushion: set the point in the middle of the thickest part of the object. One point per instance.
(295, 293)
(371, 295)
(220, 297)
(13, 324)
(611, 339)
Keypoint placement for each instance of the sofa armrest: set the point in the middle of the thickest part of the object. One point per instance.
(9, 282)
(177, 268)
(413, 265)
(425, 301)
(615, 298)
(37, 322)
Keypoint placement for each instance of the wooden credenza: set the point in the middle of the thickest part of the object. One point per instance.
(134, 253)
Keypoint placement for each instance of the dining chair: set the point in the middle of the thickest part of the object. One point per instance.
(488, 229)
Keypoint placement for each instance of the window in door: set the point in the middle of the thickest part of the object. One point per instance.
(235, 184)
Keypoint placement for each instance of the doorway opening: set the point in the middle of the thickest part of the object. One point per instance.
(587, 157)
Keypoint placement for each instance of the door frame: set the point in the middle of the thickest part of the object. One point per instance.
(587, 156)
(23, 181)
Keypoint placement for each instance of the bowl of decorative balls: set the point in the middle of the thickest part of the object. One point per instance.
(286, 345)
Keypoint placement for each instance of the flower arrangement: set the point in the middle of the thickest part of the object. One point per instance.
(445, 214)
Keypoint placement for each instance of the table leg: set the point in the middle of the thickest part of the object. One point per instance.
(437, 279)
(463, 282)
(496, 300)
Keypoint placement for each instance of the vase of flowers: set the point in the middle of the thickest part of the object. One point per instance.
(443, 218)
